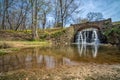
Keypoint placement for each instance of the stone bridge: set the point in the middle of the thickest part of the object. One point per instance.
(69, 35)
(101, 25)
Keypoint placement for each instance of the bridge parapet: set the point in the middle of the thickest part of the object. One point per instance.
(97, 24)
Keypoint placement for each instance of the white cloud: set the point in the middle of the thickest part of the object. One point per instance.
(109, 8)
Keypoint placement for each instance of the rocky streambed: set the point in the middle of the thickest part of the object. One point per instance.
(82, 71)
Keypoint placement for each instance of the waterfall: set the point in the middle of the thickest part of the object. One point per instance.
(87, 36)
(95, 37)
(80, 37)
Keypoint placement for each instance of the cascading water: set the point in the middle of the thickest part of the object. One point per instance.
(87, 36)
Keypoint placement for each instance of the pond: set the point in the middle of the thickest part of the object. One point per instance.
(52, 57)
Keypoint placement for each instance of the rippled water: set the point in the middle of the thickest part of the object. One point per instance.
(51, 57)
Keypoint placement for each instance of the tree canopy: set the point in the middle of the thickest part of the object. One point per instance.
(94, 16)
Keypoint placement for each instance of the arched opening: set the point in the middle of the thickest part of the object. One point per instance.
(89, 34)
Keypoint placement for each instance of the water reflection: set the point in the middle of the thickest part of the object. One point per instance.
(32, 59)
(50, 61)
(84, 49)
(95, 50)
(47, 58)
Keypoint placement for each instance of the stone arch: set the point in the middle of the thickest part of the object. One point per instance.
(86, 27)
(100, 25)
(80, 28)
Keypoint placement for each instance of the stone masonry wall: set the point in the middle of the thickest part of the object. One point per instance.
(65, 38)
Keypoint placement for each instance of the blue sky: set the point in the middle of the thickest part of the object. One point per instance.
(109, 8)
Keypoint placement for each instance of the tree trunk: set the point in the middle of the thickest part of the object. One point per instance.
(3, 19)
(44, 20)
(34, 22)
(61, 11)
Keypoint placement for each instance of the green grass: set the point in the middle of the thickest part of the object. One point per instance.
(43, 35)
(2, 52)
(22, 44)
(19, 31)
(52, 33)
(18, 45)
(57, 33)
(114, 23)
(34, 42)
(14, 49)
(114, 29)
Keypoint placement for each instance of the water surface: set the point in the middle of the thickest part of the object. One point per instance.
(51, 57)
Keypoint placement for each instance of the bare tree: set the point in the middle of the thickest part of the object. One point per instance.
(84, 20)
(5, 7)
(94, 16)
(17, 14)
(34, 6)
(23, 12)
(13, 13)
(64, 10)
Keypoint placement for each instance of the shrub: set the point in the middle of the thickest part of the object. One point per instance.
(114, 29)
(58, 33)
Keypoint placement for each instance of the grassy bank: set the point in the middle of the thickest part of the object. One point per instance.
(26, 35)
(20, 44)
(14, 40)
(10, 46)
